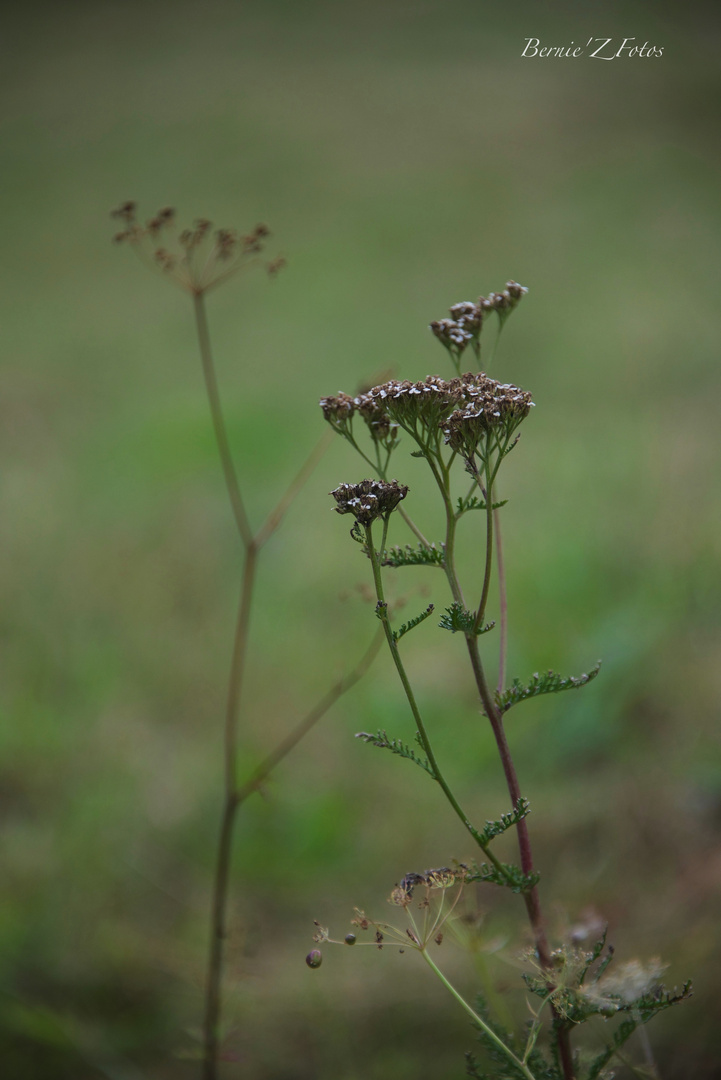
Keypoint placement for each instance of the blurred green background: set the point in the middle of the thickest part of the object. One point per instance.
(405, 157)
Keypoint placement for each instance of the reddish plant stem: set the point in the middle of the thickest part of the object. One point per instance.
(531, 898)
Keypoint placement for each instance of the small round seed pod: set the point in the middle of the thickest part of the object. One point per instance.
(314, 958)
(349, 939)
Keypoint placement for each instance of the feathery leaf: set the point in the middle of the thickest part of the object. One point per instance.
(383, 742)
(412, 623)
(458, 619)
(550, 682)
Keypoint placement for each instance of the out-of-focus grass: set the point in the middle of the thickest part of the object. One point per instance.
(405, 158)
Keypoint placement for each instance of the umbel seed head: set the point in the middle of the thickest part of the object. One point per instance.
(198, 258)
(368, 500)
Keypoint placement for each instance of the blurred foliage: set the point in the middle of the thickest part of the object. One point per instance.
(405, 157)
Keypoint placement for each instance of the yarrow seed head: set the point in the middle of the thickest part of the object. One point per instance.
(461, 330)
(490, 407)
(368, 500)
(466, 409)
(503, 302)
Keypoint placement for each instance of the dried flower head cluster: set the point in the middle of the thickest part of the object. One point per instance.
(464, 326)
(464, 409)
(368, 500)
(435, 908)
(442, 878)
(492, 407)
(197, 258)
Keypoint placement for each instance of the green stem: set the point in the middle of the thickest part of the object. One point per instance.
(485, 1028)
(221, 881)
(395, 653)
(221, 434)
(478, 622)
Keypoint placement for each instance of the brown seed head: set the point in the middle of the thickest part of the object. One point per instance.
(368, 500)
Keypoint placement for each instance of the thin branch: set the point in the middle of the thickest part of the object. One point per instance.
(410, 696)
(329, 699)
(221, 433)
(276, 516)
(222, 867)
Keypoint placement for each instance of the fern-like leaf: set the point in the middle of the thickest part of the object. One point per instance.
(412, 623)
(642, 1010)
(383, 742)
(550, 682)
(620, 1036)
(509, 877)
(458, 619)
(506, 821)
(421, 555)
(474, 503)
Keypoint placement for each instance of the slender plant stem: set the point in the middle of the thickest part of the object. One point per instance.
(425, 740)
(485, 1028)
(221, 434)
(502, 603)
(413, 527)
(230, 807)
(233, 796)
(495, 717)
(219, 933)
(478, 622)
(276, 516)
(259, 775)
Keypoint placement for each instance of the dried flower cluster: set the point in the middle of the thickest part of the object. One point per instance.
(442, 878)
(202, 257)
(464, 408)
(493, 405)
(464, 326)
(368, 500)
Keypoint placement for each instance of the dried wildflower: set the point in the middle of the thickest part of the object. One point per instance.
(417, 407)
(321, 933)
(490, 407)
(338, 410)
(276, 265)
(400, 897)
(125, 212)
(368, 500)
(441, 879)
(503, 303)
(202, 259)
(461, 330)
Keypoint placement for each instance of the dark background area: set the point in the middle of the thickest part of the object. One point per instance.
(405, 157)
